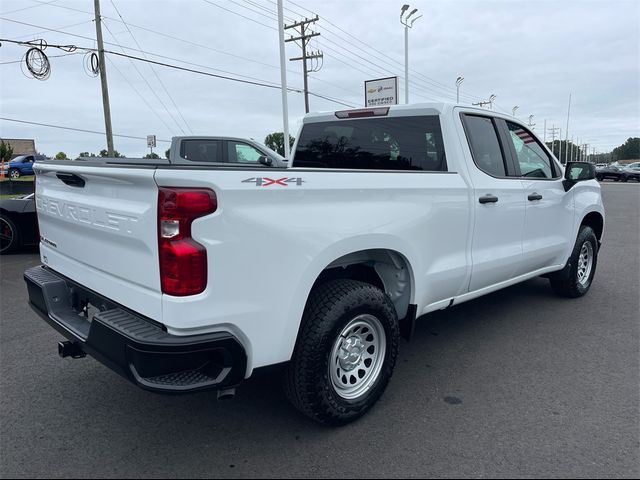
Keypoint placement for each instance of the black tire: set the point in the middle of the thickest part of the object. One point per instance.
(567, 282)
(9, 235)
(331, 307)
(14, 173)
(599, 178)
(624, 179)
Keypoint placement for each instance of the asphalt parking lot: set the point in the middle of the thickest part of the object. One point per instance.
(520, 383)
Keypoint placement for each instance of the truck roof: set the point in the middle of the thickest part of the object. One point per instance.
(427, 108)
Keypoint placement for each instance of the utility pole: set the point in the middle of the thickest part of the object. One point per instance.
(304, 37)
(544, 135)
(560, 147)
(553, 130)
(103, 80)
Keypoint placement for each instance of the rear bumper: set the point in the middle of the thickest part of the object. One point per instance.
(135, 347)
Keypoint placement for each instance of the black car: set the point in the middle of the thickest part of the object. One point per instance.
(614, 173)
(18, 223)
(633, 171)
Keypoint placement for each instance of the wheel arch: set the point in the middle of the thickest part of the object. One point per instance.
(386, 269)
(595, 220)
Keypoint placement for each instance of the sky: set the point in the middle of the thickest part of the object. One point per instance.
(532, 54)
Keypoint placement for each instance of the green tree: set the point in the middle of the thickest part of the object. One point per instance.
(275, 141)
(629, 150)
(151, 155)
(116, 154)
(85, 154)
(6, 151)
(61, 156)
(167, 153)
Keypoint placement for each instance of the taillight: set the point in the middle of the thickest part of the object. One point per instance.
(183, 261)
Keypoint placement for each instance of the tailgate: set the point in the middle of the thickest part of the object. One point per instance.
(98, 226)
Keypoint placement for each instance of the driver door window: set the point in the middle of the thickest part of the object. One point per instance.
(533, 160)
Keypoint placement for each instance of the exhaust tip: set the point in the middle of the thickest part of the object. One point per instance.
(227, 394)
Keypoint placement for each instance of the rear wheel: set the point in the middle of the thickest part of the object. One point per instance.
(575, 280)
(9, 235)
(345, 353)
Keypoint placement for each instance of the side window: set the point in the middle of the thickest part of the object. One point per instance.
(238, 152)
(530, 156)
(200, 150)
(484, 144)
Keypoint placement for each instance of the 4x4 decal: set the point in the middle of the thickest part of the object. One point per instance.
(283, 182)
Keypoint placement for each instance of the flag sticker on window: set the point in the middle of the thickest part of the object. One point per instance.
(524, 136)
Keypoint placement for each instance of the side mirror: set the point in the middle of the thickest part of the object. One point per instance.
(578, 172)
(264, 160)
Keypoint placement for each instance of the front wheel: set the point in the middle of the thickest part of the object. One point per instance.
(576, 278)
(345, 353)
(14, 173)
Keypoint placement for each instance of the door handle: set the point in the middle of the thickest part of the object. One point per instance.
(534, 196)
(71, 179)
(488, 199)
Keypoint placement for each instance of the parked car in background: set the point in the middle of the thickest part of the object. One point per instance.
(22, 165)
(600, 166)
(613, 172)
(223, 151)
(18, 223)
(633, 171)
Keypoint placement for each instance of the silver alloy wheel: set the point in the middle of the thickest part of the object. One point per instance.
(357, 356)
(585, 263)
(14, 173)
(6, 235)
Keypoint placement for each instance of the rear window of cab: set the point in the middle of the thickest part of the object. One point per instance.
(388, 143)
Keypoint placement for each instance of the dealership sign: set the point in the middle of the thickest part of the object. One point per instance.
(382, 91)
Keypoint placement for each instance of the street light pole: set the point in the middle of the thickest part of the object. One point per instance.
(407, 25)
(513, 110)
(406, 64)
(283, 83)
(491, 99)
(459, 81)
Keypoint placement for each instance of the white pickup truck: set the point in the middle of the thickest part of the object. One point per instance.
(184, 276)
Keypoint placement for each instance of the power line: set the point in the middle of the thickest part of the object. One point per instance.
(74, 129)
(139, 94)
(59, 28)
(240, 15)
(250, 82)
(50, 56)
(144, 79)
(152, 69)
(432, 82)
(28, 8)
(256, 82)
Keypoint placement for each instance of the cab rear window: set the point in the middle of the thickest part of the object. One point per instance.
(396, 143)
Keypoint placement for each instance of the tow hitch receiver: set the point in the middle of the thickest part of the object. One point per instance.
(70, 349)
